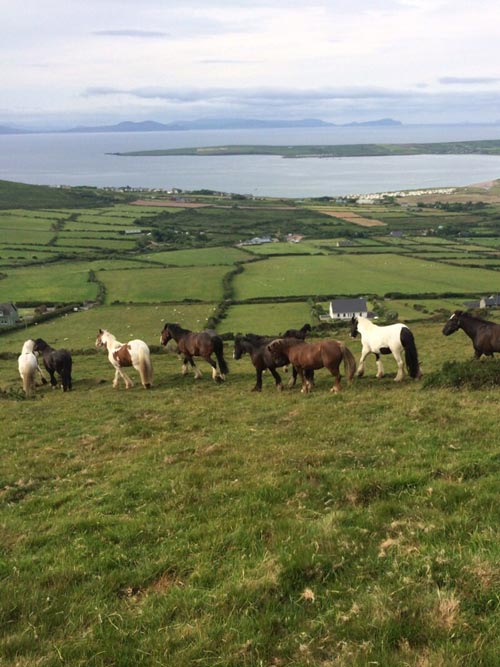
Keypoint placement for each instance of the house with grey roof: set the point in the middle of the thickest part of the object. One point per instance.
(485, 302)
(344, 309)
(9, 314)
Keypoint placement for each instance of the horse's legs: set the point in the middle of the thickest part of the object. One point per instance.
(216, 376)
(120, 374)
(335, 371)
(258, 381)
(361, 366)
(401, 367)
(293, 380)
(53, 380)
(380, 366)
(277, 378)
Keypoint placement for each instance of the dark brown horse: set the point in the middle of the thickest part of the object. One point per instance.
(298, 333)
(262, 359)
(311, 356)
(203, 344)
(485, 335)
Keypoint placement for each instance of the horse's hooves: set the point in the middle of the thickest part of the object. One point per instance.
(44, 381)
(257, 389)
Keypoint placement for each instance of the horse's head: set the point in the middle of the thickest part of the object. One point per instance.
(101, 339)
(39, 345)
(165, 335)
(354, 327)
(28, 346)
(453, 324)
(277, 349)
(238, 350)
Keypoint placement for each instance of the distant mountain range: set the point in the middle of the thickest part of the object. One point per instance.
(208, 124)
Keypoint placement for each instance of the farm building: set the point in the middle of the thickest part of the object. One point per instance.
(8, 314)
(344, 309)
(485, 302)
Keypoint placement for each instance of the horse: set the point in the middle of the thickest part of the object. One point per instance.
(27, 364)
(55, 361)
(311, 356)
(202, 344)
(394, 338)
(121, 355)
(262, 359)
(298, 333)
(485, 335)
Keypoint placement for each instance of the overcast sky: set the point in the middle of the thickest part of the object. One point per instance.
(67, 62)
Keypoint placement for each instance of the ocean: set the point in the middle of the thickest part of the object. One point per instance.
(84, 159)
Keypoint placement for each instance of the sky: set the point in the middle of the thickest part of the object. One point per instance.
(94, 62)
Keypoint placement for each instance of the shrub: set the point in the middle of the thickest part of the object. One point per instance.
(465, 374)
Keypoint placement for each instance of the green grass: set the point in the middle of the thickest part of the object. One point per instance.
(266, 318)
(203, 524)
(78, 330)
(351, 274)
(199, 257)
(164, 284)
(63, 282)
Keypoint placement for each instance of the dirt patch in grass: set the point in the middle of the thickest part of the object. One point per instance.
(354, 218)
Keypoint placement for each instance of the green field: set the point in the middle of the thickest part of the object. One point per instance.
(351, 274)
(203, 524)
(164, 284)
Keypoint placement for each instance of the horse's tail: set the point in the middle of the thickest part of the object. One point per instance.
(66, 372)
(411, 355)
(219, 353)
(349, 362)
(145, 367)
(27, 373)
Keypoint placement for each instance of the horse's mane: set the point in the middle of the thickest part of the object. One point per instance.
(464, 313)
(176, 328)
(256, 338)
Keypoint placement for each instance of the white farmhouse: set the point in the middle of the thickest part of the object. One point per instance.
(344, 309)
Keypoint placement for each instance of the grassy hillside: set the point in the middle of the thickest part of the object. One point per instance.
(204, 524)
(22, 195)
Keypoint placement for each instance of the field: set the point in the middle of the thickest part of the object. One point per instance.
(205, 524)
(352, 274)
(250, 529)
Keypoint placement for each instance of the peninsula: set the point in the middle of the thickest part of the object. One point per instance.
(487, 147)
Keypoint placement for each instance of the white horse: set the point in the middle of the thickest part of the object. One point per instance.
(27, 364)
(134, 353)
(394, 338)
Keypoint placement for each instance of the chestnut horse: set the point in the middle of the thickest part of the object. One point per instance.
(203, 344)
(262, 359)
(311, 356)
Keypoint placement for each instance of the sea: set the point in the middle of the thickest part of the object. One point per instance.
(74, 159)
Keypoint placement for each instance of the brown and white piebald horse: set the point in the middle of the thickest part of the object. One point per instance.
(122, 355)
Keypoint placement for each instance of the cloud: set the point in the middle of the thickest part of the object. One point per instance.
(250, 95)
(131, 33)
(468, 80)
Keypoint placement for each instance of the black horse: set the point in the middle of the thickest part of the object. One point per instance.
(262, 359)
(298, 333)
(485, 335)
(55, 361)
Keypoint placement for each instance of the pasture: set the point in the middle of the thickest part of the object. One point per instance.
(202, 524)
(352, 274)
